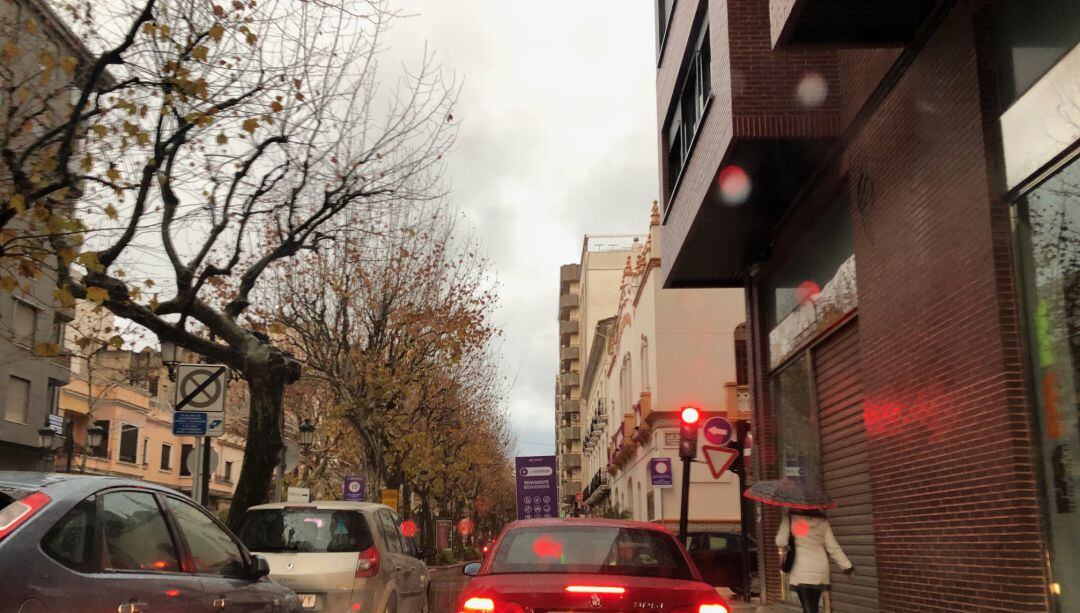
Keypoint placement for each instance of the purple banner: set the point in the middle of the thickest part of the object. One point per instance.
(354, 488)
(537, 487)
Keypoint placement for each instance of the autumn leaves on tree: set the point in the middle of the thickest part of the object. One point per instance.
(199, 151)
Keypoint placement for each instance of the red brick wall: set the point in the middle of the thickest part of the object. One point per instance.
(955, 495)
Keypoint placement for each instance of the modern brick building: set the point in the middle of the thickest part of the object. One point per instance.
(897, 187)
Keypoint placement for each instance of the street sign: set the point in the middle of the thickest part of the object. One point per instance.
(193, 460)
(719, 459)
(189, 424)
(56, 424)
(390, 498)
(718, 431)
(201, 387)
(299, 494)
(660, 472)
(537, 487)
(354, 488)
(215, 424)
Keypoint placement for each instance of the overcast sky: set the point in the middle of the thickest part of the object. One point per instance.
(558, 139)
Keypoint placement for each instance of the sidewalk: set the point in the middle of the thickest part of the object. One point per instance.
(753, 607)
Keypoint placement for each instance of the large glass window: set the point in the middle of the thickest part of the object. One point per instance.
(1049, 234)
(129, 443)
(1032, 37)
(689, 106)
(797, 439)
(135, 534)
(213, 551)
(305, 529)
(663, 20)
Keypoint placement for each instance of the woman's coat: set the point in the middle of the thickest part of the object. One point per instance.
(811, 562)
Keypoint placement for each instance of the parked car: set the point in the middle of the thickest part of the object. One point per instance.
(719, 558)
(579, 564)
(340, 556)
(90, 543)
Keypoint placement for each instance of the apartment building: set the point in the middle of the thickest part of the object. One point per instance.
(895, 187)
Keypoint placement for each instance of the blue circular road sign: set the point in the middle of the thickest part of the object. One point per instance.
(718, 431)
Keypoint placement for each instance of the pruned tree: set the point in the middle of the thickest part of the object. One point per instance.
(211, 143)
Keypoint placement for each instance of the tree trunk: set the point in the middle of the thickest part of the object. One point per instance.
(266, 384)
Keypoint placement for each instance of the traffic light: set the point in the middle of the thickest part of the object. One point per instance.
(688, 425)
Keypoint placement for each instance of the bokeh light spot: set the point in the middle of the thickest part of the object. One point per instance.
(807, 291)
(408, 528)
(734, 185)
(812, 90)
(546, 547)
(800, 528)
(465, 526)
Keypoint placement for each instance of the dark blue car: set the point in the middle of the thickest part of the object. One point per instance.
(89, 543)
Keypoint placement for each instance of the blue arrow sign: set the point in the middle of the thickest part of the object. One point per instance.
(189, 424)
(718, 431)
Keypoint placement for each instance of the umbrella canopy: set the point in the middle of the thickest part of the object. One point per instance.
(790, 494)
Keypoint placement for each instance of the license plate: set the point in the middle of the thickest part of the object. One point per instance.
(307, 600)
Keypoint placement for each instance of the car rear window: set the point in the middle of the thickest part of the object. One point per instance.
(591, 549)
(305, 530)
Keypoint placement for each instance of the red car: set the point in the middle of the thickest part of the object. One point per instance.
(597, 565)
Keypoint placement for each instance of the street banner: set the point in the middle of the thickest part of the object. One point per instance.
(537, 487)
(390, 498)
(660, 472)
(354, 488)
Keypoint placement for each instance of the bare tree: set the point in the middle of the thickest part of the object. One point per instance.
(213, 142)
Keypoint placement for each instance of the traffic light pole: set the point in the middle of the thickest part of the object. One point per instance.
(684, 508)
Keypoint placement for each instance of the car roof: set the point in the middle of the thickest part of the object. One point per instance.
(348, 505)
(595, 522)
(11, 480)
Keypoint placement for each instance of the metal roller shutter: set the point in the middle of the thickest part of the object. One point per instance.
(845, 467)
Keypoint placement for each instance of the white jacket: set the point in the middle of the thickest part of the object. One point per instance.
(811, 563)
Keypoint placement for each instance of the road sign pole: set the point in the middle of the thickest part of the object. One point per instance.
(684, 508)
(204, 485)
(196, 475)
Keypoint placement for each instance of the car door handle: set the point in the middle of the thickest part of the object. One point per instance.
(133, 607)
(220, 603)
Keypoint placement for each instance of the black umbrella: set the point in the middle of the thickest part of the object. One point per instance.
(790, 494)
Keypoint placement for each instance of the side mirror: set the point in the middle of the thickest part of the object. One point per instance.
(259, 567)
(472, 569)
(427, 553)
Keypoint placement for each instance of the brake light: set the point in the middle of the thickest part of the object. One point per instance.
(16, 513)
(595, 589)
(712, 608)
(476, 605)
(368, 563)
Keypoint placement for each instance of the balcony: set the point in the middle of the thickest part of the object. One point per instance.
(570, 406)
(571, 461)
(566, 328)
(569, 353)
(846, 22)
(570, 378)
(572, 433)
(569, 273)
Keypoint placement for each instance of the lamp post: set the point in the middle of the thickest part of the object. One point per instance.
(170, 357)
(307, 435)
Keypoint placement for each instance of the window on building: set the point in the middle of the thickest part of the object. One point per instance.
(18, 400)
(25, 322)
(129, 443)
(645, 385)
(145, 451)
(227, 476)
(166, 457)
(689, 107)
(664, 10)
(102, 450)
(185, 453)
(58, 329)
(796, 423)
(152, 384)
(1031, 38)
(742, 364)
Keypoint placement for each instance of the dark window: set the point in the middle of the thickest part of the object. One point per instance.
(71, 540)
(305, 529)
(129, 443)
(742, 360)
(228, 472)
(166, 457)
(25, 322)
(390, 531)
(689, 106)
(153, 385)
(591, 550)
(1031, 38)
(663, 20)
(135, 534)
(212, 549)
(185, 453)
(102, 450)
(145, 451)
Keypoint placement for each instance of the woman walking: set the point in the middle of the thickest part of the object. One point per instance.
(814, 545)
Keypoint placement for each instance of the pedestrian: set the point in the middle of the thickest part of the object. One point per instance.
(814, 545)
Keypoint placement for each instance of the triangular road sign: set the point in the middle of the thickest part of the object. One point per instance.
(719, 458)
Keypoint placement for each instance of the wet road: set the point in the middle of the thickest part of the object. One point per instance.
(446, 584)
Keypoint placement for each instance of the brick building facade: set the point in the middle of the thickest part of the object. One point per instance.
(898, 192)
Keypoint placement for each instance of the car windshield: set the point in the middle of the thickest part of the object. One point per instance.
(590, 549)
(307, 530)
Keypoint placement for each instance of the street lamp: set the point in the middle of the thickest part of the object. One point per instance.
(170, 357)
(46, 438)
(307, 434)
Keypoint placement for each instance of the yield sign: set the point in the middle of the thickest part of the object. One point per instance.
(718, 458)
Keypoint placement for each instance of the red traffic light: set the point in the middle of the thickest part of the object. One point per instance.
(690, 415)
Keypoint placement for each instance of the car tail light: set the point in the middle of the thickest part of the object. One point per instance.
(368, 563)
(16, 513)
(480, 604)
(712, 608)
(595, 589)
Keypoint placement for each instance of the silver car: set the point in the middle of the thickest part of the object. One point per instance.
(340, 556)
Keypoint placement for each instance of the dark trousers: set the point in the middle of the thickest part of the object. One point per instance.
(809, 597)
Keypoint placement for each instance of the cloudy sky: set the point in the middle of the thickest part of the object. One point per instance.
(557, 139)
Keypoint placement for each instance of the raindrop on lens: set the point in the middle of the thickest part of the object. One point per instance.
(812, 90)
(807, 292)
(734, 185)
